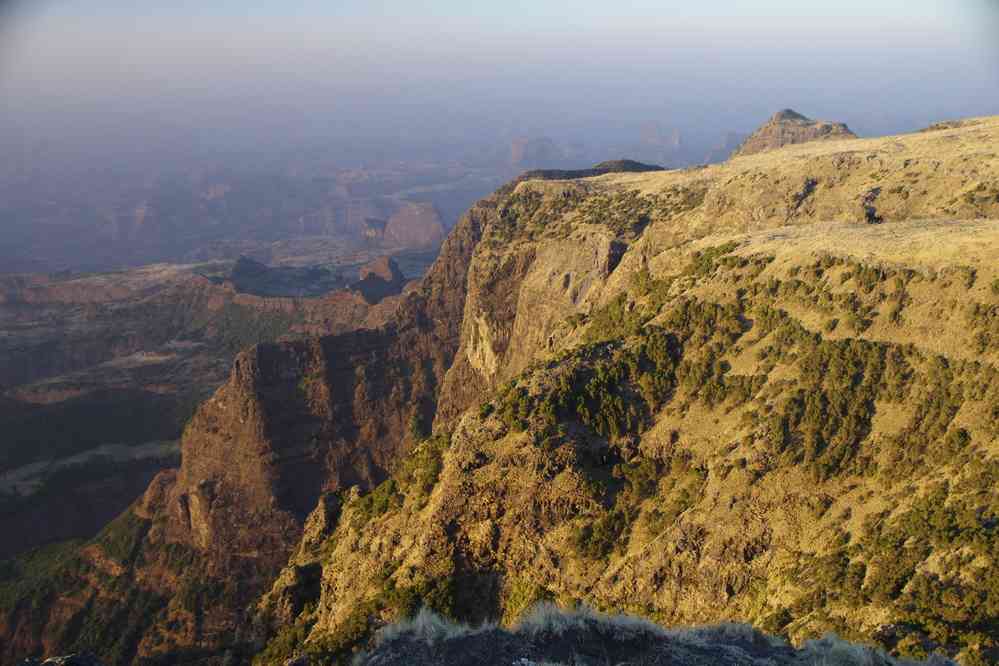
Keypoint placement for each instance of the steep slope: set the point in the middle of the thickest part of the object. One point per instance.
(122, 360)
(755, 407)
(618, 367)
(293, 419)
(789, 127)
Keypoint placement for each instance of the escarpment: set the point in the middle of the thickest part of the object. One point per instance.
(700, 395)
(703, 396)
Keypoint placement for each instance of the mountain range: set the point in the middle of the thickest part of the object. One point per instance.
(763, 391)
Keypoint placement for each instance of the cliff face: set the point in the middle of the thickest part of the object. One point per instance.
(294, 419)
(788, 127)
(122, 360)
(379, 279)
(702, 396)
(680, 394)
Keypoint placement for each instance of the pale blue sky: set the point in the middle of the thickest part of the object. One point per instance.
(529, 10)
(475, 68)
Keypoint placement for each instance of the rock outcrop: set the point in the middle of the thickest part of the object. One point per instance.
(414, 225)
(789, 127)
(379, 279)
(124, 359)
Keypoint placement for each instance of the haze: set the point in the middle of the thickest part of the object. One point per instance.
(393, 79)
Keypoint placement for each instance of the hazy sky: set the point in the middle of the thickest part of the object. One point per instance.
(450, 72)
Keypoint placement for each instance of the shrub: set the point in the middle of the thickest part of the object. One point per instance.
(706, 261)
(384, 497)
(599, 538)
(419, 471)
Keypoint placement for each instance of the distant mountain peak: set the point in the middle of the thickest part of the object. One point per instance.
(789, 114)
(787, 127)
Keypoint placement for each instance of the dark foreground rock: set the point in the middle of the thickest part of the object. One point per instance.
(583, 638)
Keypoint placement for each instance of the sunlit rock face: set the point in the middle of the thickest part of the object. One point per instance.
(788, 127)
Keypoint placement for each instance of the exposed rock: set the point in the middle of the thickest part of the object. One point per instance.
(731, 526)
(415, 225)
(379, 279)
(124, 358)
(788, 127)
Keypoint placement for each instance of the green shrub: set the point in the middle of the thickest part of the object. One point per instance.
(706, 261)
(618, 319)
(379, 501)
(417, 426)
(598, 538)
(419, 471)
(32, 577)
(123, 536)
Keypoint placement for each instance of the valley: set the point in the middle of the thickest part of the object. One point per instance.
(99, 373)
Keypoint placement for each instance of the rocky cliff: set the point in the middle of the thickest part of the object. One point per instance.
(379, 279)
(707, 395)
(294, 420)
(702, 395)
(789, 127)
(121, 361)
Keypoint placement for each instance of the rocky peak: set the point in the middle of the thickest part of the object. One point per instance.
(383, 268)
(789, 127)
(788, 114)
(378, 279)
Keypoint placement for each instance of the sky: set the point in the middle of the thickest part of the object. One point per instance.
(442, 74)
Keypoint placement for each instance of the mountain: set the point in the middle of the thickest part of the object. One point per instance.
(379, 280)
(121, 218)
(99, 373)
(789, 127)
(415, 225)
(696, 396)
